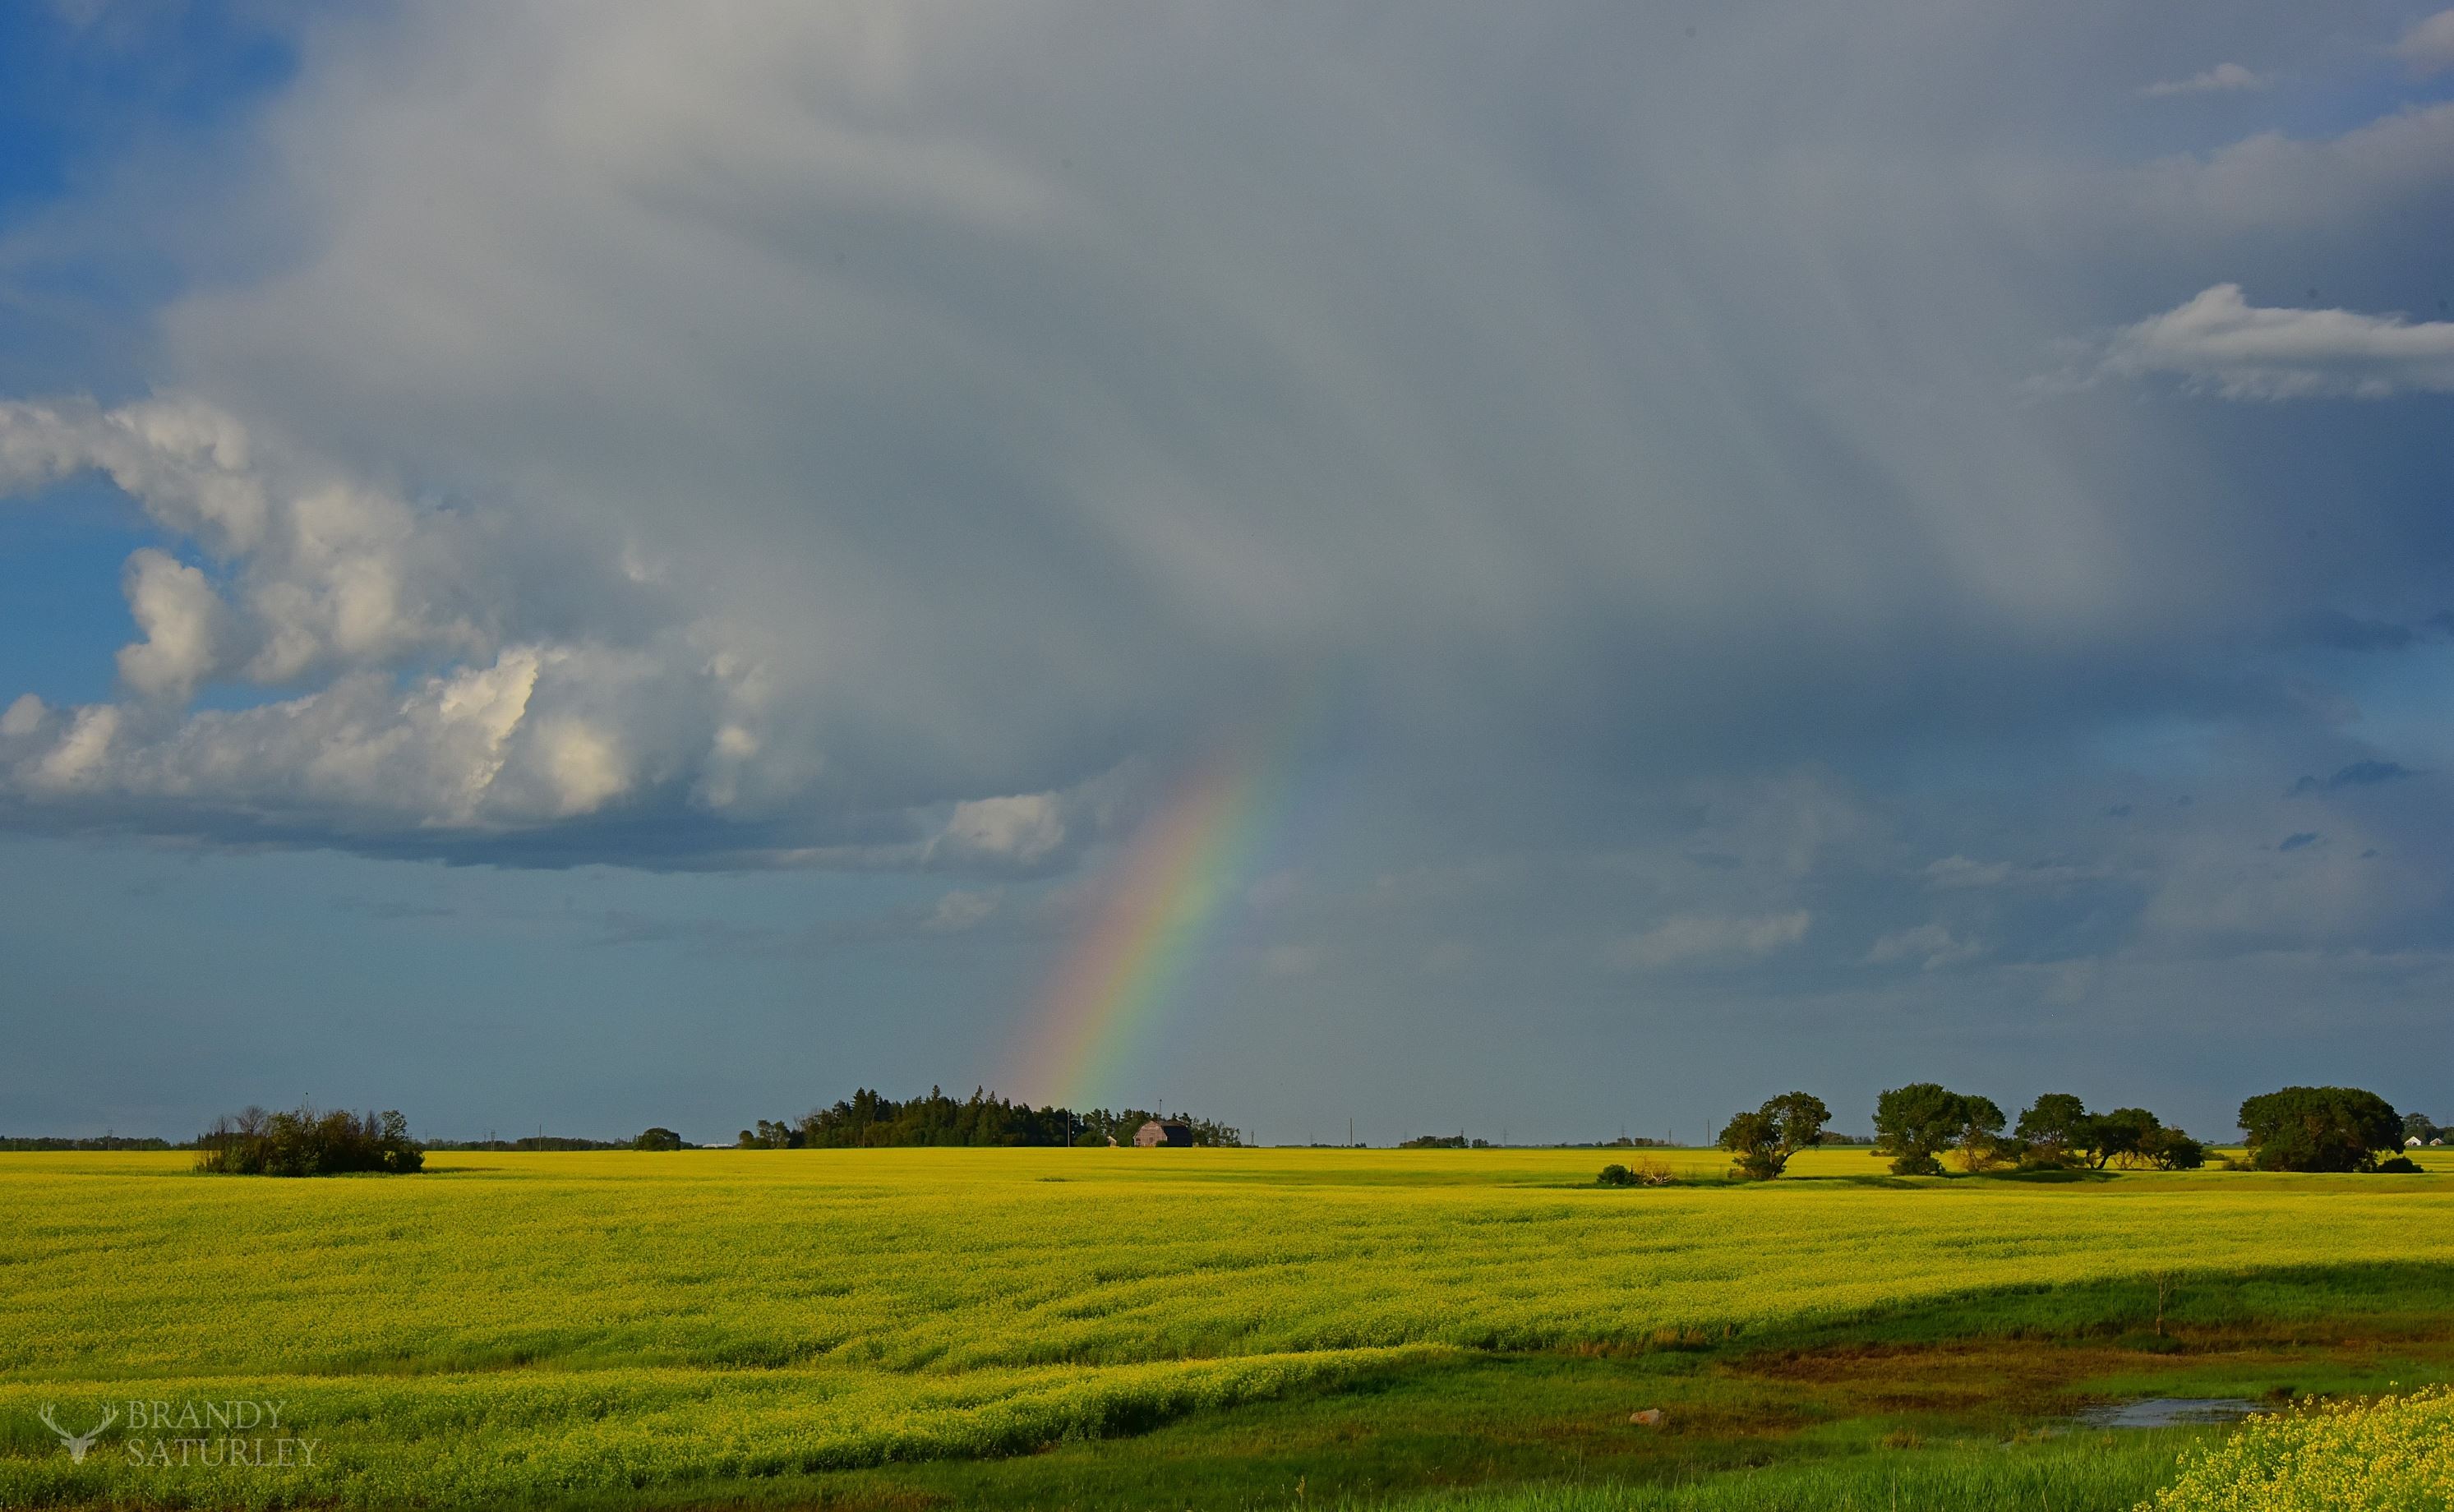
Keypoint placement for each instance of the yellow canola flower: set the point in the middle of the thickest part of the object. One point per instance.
(2390, 1454)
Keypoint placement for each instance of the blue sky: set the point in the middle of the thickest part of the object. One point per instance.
(647, 566)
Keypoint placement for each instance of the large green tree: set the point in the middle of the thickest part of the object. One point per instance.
(2320, 1129)
(1763, 1141)
(1915, 1123)
(2055, 1127)
(2120, 1135)
(1979, 1144)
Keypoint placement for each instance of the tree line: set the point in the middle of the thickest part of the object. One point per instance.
(306, 1142)
(2294, 1129)
(869, 1120)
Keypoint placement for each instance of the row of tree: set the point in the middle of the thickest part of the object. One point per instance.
(556, 1142)
(1918, 1124)
(871, 1119)
(2296, 1129)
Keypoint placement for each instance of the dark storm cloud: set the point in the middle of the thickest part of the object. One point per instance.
(1717, 491)
(2357, 775)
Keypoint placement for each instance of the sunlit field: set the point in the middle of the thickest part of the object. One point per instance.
(1094, 1326)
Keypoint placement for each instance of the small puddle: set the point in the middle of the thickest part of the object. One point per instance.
(2168, 1412)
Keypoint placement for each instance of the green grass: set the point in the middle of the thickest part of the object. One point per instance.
(2094, 1473)
(1184, 1328)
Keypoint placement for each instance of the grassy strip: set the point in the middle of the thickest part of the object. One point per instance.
(2092, 1473)
(522, 1439)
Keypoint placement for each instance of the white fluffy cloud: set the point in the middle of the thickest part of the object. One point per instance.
(2241, 351)
(184, 621)
(1021, 829)
(322, 574)
(454, 751)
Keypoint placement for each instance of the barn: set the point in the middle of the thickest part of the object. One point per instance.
(1172, 1133)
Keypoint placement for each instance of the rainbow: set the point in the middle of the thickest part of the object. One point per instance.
(1160, 903)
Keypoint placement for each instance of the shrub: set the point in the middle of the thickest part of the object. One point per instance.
(2401, 1165)
(307, 1143)
(1646, 1172)
(2320, 1129)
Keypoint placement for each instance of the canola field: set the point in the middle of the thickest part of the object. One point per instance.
(532, 1328)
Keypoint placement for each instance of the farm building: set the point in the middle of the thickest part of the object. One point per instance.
(1169, 1131)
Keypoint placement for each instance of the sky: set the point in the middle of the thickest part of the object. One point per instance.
(1538, 570)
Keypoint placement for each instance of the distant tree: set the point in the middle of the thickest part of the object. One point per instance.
(657, 1139)
(309, 1144)
(1752, 1137)
(774, 1133)
(2320, 1129)
(1915, 1122)
(2055, 1127)
(869, 1120)
(2420, 1126)
(1980, 1142)
(2120, 1135)
(2169, 1149)
(1763, 1141)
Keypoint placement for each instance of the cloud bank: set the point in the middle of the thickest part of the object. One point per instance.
(855, 439)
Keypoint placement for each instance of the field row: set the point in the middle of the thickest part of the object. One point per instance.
(537, 1327)
(501, 1436)
(971, 1259)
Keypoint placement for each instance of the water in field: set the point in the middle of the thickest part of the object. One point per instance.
(2168, 1412)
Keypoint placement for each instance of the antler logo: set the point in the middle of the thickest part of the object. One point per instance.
(77, 1442)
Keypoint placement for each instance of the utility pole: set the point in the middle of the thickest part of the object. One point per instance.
(1350, 1131)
